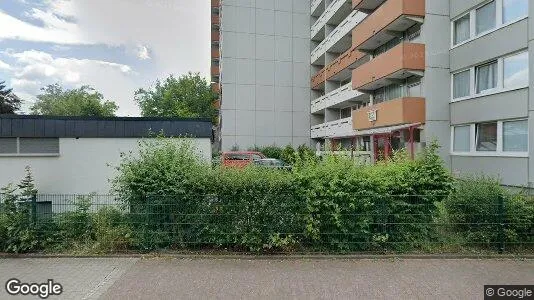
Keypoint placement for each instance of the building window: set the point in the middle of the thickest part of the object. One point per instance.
(346, 113)
(8, 145)
(513, 10)
(486, 17)
(486, 136)
(516, 70)
(461, 84)
(29, 146)
(515, 136)
(462, 138)
(462, 29)
(486, 77)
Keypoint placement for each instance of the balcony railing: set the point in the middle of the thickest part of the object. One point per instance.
(341, 63)
(336, 97)
(408, 110)
(388, 21)
(215, 71)
(215, 35)
(215, 52)
(366, 5)
(327, 14)
(400, 62)
(338, 33)
(333, 129)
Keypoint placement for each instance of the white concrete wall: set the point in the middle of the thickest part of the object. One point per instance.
(84, 165)
(265, 73)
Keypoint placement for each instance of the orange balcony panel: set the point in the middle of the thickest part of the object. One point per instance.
(216, 87)
(217, 104)
(215, 53)
(400, 62)
(386, 22)
(215, 35)
(215, 20)
(344, 61)
(215, 70)
(366, 5)
(399, 111)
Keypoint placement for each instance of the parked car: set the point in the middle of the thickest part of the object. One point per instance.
(240, 159)
(272, 163)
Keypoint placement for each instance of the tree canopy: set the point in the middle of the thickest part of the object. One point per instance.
(188, 96)
(9, 102)
(83, 101)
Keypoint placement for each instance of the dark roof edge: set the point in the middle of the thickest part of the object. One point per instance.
(5, 116)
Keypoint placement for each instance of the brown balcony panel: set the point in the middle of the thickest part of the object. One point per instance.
(215, 70)
(400, 62)
(215, 53)
(366, 5)
(399, 111)
(215, 35)
(389, 20)
(341, 64)
(216, 87)
(215, 3)
(215, 20)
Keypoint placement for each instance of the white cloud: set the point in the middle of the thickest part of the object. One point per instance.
(143, 53)
(4, 66)
(20, 30)
(35, 69)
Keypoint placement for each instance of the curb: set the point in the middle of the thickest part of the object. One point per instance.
(274, 257)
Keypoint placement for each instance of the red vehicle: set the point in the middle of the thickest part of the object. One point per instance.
(240, 159)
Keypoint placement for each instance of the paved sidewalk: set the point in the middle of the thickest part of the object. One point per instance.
(173, 278)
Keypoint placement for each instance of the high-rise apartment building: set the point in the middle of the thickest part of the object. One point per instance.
(384, 75)
(263, 56)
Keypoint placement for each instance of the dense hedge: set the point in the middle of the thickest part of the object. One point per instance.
(174, 200)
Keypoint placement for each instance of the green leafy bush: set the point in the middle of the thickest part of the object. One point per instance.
(479, 205)
(112, 231)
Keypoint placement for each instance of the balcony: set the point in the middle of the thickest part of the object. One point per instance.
(334, 129)
(341, 66)
(366, 5)
(215, 20)
(409, 110)
(215, 71)
(338, 98)
(215, 53)
(339, 39)
(215, 3)
(216, 87)
(390, 20)
(400, 62)
(317, 7)
(334, 14)
(215, 35)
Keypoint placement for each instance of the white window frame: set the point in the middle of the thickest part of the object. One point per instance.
(500, 79)
(472, 20)
(498, 153)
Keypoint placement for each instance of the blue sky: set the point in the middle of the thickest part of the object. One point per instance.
(115, 46)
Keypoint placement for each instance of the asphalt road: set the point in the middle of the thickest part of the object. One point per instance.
(178, 278)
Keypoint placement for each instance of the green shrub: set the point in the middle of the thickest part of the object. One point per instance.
(3, 231)
(112, 231)
(254, 209)
(20, 232)
(475, 213)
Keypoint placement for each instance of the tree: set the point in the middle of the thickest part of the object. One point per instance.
(189, 96)
(84, 101)
(9, 102)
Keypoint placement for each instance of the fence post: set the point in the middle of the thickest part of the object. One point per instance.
(34, 210)
(501, 220)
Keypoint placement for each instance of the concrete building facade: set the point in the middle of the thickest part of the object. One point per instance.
(399, 74)
(262, 71)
